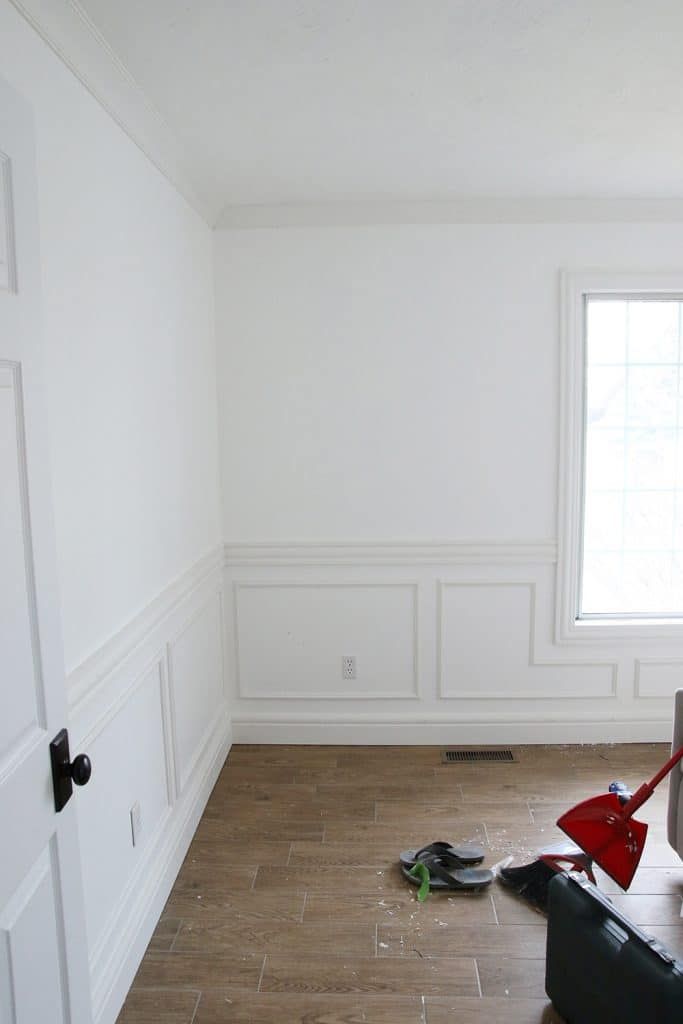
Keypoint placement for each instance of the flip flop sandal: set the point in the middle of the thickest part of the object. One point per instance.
(445, 878)
(462, 856)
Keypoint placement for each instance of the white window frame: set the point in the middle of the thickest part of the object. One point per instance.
(575, 287)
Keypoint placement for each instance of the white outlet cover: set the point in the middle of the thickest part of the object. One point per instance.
(349, 666)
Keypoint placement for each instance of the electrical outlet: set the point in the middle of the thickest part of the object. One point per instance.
(135, 822)
(348, 667)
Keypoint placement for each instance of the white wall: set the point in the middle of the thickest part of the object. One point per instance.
(389, 419)
(128, 314)
(129, 339)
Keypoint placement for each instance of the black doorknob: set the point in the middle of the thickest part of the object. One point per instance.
(80, 769)
(65, 771)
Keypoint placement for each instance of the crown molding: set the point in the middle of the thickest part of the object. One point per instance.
(72, 36)
(457, 211)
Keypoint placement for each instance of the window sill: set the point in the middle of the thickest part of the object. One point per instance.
(625, 630)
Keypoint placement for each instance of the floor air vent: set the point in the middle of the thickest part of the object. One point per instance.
(457, 755)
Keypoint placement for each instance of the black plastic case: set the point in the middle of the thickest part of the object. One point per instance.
(601, 968)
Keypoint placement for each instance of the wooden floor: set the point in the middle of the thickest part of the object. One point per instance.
(290, 907)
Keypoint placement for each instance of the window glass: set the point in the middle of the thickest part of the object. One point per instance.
(632, 542)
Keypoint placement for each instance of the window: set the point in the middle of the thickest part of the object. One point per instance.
(621, 485)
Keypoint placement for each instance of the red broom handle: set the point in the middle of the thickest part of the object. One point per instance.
(645, 791)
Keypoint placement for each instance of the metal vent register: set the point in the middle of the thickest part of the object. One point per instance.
(458, 755)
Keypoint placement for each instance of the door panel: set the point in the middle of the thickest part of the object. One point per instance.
(29, 934)
(21, 706)
(43, 949)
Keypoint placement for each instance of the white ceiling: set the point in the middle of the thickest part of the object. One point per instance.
(325, 101)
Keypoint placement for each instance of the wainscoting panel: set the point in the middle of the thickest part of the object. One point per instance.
(455, 643)
(311, 627)
(129, 765)
(150, 709)
(658, 677)
(487, 649)
(195, 665)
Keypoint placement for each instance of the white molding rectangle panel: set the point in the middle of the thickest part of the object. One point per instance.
(196, 684)
(658, 677)
(128, 751)
(486, 648)
(29, 949)
(291, 638)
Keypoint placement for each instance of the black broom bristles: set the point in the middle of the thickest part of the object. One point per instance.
(530, 881)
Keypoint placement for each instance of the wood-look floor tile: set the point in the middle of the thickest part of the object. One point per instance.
(388, 975)
(646, 882)
(658, 854)
(378, 787)
(164, 934)
(247, 789)
(255, 773)
(451, 813)
(282, 756)
(213, 856)
(650, 910)
(404, 835)
(284, 1008)
(374, 855)
(533, 792)
(490, 1010)
(474, 908)
(318, 831)
(511, 977)
(326, 878)
(223, 936)
(218, 829)
(670, 936)
(238, 907)
(387, 757)
(152, 1006)
(512, 909)
(457, 939)
(522, 842)
(267, 812)
(199, 971)
(194, 881)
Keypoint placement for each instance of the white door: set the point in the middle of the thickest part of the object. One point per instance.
(43, 952)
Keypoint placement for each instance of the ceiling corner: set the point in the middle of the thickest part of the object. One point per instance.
(72, 36)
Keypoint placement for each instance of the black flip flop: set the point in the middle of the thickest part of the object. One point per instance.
(444, 877)
(464, 856)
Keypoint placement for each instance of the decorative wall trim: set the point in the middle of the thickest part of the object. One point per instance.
(183, 773)
(148, 890)
(398, 553)
(574, 287)
(645, 663)
(99, 690)
(339, 694)
(532, 661)
(84, 681)
(444, 729)
(72, 36)
(11, 379)
(8, 255)
(459, 211)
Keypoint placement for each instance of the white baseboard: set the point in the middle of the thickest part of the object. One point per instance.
(440, 731)
(146, 898)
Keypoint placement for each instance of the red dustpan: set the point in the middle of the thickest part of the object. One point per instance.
(607, 832)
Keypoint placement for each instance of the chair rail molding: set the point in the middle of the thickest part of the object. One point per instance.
(393, 552)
